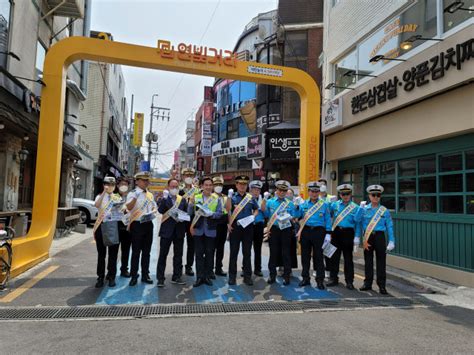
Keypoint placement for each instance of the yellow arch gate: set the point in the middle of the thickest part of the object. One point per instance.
(34, 247)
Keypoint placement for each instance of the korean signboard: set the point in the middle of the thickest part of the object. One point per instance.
(255, 147)
(332, 115)
(233, 146)
(138, 129)
(285, 148)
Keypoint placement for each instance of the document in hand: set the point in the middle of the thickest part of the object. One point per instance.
(206, 212)
(244, 222)
(284, 217)
(183, 216)
(329, 250)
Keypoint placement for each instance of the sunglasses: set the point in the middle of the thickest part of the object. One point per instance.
(345, 193)
(376, 195)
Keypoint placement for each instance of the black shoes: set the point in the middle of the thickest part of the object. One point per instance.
(220, 272)
(231, 281)
(189, 271)
(271, 280)
(248, 281)
(304, 282)
(286, 281)
(112, 282)
(147, 280)
(125, 274)
(133, 281)
(99, 283)
(349, 286)
(198, 282)
(161, 283)
(320, 285)
(383, 290)
(212, 276)
(178, 281)
(332, 283)
(258, 273)
(366, 288)
(208, 282)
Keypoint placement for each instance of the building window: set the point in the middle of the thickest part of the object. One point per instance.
(348, 63)
(233, 128)
(190, 150)
(437, 183)
(451, 20)
(5, 9)
(40, 55)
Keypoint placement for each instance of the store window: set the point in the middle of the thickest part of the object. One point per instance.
(5, 9)
(454, 19)
(233, 128)
(348, 63)
(436, 183)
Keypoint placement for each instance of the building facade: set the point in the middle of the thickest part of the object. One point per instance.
(407, 124)
(27, 30)
(105, 114)
(203, 133)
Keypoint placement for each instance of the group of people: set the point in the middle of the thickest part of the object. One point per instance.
(206, 218)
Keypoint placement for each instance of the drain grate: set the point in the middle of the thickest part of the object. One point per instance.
(139, 311)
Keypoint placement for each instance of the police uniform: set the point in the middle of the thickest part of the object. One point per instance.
(102, 250)
(328, 198)
(189, 173)
(171, 232)
(141, 230)
(375, 241)
(281, 232)
(125, 242)
(205, 236)
(221, 229)
(346, 233)
(315, 232)
(241, 235)
(258, 227)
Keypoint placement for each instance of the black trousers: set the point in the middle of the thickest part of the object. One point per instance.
(142, 239)
(312, 239)
(221, 237)
(204, 247)
(244, 236)
(125, 244)
(257, 245)
(343, 240)
(102, 253)
(165, 245)
(189, 246)
(377, 244)
(280, 247)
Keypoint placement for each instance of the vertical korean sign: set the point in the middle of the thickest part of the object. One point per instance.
(138, 129)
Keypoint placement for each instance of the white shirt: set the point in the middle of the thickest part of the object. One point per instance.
(140, 195)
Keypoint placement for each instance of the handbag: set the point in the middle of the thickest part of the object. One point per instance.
(110, 234)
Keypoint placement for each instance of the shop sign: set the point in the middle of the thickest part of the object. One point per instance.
(419, 75)
(332, 115)
(285, 148)
(138, 129)
(253, 69)
(274, 119)
(233, 146)
(255, 147)
(206, 147)
(196, 54)
(206, 131)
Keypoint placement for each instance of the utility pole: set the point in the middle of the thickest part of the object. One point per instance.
(155, 112)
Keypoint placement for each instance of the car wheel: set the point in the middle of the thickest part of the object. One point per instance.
(85, 217)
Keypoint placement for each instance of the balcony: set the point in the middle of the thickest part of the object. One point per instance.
(67, 8)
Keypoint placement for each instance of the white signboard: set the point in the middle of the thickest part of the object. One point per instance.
(206, 147)
(233, 146)
(332, 115)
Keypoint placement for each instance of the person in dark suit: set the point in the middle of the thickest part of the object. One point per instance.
(172, 231)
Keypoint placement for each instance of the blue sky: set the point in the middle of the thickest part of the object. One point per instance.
(212, 23)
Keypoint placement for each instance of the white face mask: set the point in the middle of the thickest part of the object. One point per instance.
(173, 192)
(123, 188)
(323, 188)
(218, 189)
(188, 180)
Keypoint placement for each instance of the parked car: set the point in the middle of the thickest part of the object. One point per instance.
(87, 209)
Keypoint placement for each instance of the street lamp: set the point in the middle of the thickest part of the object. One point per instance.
(333, 85)
(455, 6)
(353, 73)
(379, 57)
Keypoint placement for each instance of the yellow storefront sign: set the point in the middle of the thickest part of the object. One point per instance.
(158, 185)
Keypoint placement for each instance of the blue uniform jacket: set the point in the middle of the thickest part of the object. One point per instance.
(385, 223)
(322, 218)
(260, 218)
(170, 227)
(274, 203)
(248, 209)
(206, 225)
(352, 220)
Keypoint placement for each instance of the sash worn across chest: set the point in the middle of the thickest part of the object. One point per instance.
(166, 215)
(210, 200)
(373, 222)
(102, 213)
(345, 212)
(310, 213)
(141, 209)
(240, 207)
(273, 218)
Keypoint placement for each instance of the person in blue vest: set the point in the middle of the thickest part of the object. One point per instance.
(376, 225)
(259, 224)
(279, 231)
(221, 231)
(241, 207)
(207, 209)
(345, 235)
(314, 232)
(172, 231)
